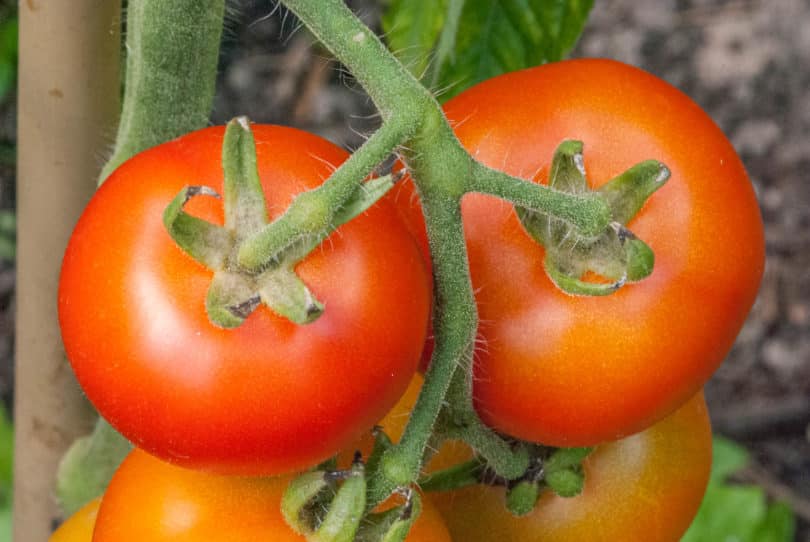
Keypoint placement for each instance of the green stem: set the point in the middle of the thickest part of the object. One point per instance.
(443, 172)
(462, 422)
(454, 326)
(392, 87)
(455, 477)
(589, 213)
(173, 47)
(312, 213)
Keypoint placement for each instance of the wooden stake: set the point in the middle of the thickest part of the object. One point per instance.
(69, 85)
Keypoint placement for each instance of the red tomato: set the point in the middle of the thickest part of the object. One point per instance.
(151, 500)
(576, 371)
(269, 396)
(79, 526)
(645, 487)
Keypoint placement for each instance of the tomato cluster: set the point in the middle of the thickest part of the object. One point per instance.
(272, 397)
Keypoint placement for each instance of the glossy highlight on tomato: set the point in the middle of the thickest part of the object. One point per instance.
(149, 499)
(642, 488)
(269, 396)
(575, 371)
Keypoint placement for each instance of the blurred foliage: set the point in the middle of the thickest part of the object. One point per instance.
(8, 53)
(738, 513)
(8, 151)
(6, 456)
(8, 232)
(498, 36)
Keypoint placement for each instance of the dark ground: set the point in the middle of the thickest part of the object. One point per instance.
(745, 62)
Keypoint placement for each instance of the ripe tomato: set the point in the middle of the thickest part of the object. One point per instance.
(576, 371)
(148, 499)
(79, 526)
(644, 487)
(269, 396)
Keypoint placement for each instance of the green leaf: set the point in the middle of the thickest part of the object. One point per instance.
(779, 525)
(727, 458)
(735, 512)
(412, 29)
(499, 36)
(8, 55)
(454, 44)
(6, 460)
(728, 513)
(6, 457)
(5, 524)
(88, 466)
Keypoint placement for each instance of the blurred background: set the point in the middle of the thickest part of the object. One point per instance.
(744, 61)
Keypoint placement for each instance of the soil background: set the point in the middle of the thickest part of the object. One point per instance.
(746, 62)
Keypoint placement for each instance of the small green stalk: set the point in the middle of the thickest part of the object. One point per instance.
(317, 212)
(455, 477)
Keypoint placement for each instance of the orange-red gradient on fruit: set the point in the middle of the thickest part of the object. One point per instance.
(646, 487)
(150, 500)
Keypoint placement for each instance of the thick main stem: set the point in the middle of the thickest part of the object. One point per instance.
(173, 48)
(391, 86)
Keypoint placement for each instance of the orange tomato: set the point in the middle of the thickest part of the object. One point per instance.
(646, 487)
(79, 526)
(150, 500)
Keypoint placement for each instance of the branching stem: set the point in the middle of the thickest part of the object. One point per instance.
(443, 172)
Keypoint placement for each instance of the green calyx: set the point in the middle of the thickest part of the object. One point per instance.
(309, 494)
(563, 473)
(616, 254)
(330, 506)
(235, 291)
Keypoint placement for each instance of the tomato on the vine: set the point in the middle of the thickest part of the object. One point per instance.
(568, 370)
(149, 499)
(269, 396)
(644, 487)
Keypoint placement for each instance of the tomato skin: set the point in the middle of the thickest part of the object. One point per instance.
(270, 396)
(645, 487)
(79, 526)
(149, 499)
(575, 371)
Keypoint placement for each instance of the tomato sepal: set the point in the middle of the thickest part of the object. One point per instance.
(304, 498)
(616, 254)
(207, 243)
(521, 497)
(563, 472)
